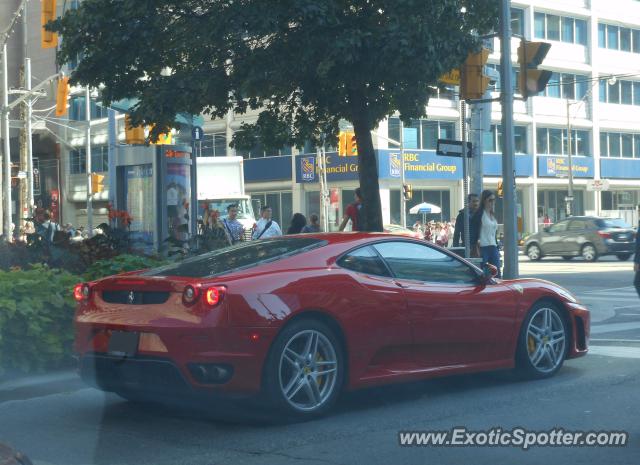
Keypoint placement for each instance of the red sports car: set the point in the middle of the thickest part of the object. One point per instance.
(301, 318)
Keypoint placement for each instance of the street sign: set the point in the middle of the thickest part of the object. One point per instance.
(452, 148)
(452, 77)
(197, 133)
(598, 185)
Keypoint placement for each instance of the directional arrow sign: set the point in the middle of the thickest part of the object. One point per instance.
(452, 148)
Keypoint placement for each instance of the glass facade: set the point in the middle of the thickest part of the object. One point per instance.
(552, 204)
(281, 203)
(422, 133)
(440, 198)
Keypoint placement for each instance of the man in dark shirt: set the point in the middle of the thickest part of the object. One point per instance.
(473, 202)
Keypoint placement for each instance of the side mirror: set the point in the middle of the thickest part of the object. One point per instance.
(489, 272)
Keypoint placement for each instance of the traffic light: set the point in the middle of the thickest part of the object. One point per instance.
(530, 56)
(49, 39)
(165, 138)
(473, 81)
(97, 183)
(407, 191)
(133, 135)
(500, 191)
(62, 94)
(347, 145)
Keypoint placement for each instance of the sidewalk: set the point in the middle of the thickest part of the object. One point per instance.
(27, 387)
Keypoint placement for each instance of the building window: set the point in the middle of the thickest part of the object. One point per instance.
(618, 38)
(619, 145)
(492, 141)
(214, 145)
(515, 76)
(99, 160)
(259, 151)
(560, 28)
(568, 86)
(553, 141)
(517, 21)
(422, 133)
(619, 91)
(77, 109)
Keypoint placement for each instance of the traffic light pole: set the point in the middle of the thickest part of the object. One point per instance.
(508, 162)
(87, 136)
(6, 161)
(403, 200)
(465, 180)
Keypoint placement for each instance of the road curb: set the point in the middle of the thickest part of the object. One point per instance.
(40, 385)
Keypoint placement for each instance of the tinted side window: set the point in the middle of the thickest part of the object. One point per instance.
(364, 260)
(559, 227)
(409, 260)
(577, 225)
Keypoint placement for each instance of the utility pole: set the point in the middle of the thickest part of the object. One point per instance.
(88, 151)
(569, 199)
(6, 163)
(403, 201)
(465, 180)
(508, 162)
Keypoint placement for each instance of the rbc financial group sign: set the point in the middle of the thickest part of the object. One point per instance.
(418, 164)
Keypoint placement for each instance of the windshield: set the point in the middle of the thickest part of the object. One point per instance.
(242, 256)
(245, 210)
(612, 223)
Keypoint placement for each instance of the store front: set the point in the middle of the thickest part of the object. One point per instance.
(552, 205)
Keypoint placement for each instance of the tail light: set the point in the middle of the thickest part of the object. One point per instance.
(211, 296)
(604, 235)
(81, 292)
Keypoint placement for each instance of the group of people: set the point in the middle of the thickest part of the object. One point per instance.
(231, 231)
(436, 232)
(483, 228)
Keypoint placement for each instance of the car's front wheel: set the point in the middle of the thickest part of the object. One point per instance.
(534, 253)
(589, 253)
(304, 371)
(543, 342)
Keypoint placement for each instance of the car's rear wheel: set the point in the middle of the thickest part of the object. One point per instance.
(534, 253)
(567, 257)
(589, 253)
(623, 256)
(542, 344)
(304, 371)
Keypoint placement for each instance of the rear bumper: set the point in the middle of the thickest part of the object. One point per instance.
(620, 247)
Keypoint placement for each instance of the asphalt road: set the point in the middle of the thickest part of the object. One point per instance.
(598, 392)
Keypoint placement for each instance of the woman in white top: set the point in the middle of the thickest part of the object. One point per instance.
(487, 229)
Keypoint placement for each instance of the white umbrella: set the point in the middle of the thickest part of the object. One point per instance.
(425, 208)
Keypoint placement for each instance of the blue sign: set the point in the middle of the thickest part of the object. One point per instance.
(619, 168)
(197, 133)
(558, 167)
(338, 168)
(418, 164)
(492, 164)
(267, 169)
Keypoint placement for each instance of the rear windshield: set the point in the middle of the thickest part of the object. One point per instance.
(612, 223)
(237, 257)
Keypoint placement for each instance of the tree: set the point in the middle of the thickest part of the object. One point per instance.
(306, 63)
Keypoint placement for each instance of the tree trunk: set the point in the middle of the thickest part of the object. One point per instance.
(367, 165)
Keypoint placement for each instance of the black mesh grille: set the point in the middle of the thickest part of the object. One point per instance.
(135, 297)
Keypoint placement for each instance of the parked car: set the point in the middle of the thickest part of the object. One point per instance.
(299, 319)
(586, 236)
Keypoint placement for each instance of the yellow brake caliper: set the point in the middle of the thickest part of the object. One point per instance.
(531, 344)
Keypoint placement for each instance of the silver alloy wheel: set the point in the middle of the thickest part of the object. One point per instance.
(546, 340)
(533, 252)
(308, 370)
(589, 253)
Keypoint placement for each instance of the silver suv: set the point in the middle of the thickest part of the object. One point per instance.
(586, 236)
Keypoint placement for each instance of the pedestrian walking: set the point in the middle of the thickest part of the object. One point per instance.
(314, 225)
(354, 213)
(232, 225)
(473, 202)
(267, 226)
(485, 230)
(298, 222)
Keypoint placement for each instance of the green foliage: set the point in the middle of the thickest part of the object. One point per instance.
(306, 63)
(120, 264)
(36, 314)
